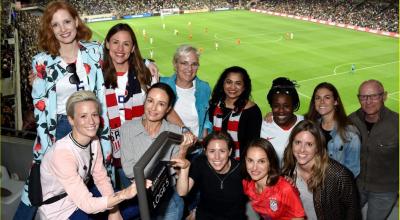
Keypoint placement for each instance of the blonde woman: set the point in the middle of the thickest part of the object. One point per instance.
(327, 188)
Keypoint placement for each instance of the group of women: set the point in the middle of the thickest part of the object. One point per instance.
(99, 108)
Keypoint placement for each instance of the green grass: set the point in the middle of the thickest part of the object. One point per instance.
(317, 53)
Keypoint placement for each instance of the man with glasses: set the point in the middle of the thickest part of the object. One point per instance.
(379, 129)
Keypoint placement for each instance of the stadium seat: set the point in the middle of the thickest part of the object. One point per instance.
(11, 194)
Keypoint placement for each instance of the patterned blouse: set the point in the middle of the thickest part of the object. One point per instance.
(49, 70)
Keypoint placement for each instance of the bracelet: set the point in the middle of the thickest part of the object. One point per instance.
(185, 129)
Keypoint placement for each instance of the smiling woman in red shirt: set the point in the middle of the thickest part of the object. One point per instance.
(271, 195)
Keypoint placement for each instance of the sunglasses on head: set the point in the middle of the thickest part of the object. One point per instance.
(74, 79)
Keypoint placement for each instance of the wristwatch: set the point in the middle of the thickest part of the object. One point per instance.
(185, 129)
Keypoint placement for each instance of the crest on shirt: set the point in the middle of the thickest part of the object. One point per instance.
(273, 204)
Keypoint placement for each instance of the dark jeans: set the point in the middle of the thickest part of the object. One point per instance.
(129, 210)
(63, 127)
(122, 181)
(25, 212)
(380, 204)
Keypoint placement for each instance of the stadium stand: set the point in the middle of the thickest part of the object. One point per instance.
(374, 15)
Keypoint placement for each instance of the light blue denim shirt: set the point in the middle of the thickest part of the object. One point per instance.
(202, 95)
(346, 152)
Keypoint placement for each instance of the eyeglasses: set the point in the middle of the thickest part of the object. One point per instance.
(187, 64)
(74, 79)
(373, 97)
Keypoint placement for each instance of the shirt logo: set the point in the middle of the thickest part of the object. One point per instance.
(273, 205)
(270, 138)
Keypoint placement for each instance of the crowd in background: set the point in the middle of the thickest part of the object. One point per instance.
(7, 57)
(130, 7)
(26, 25)
(374, 15)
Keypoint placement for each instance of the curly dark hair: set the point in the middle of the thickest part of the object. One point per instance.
(283, 85)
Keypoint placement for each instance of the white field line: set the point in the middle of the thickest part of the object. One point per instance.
(390, 96)
(301, 94)
(98, 33)
(341, 73)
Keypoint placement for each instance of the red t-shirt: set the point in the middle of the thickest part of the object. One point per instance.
(281, 201)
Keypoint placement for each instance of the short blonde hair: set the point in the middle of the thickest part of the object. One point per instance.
(80, 96)
(184, 50)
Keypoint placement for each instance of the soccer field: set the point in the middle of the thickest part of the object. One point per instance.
(317, 52)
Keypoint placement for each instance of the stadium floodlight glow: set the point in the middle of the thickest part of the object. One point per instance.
(158, 149)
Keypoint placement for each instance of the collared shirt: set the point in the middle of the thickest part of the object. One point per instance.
(379, 157)
(202, 95)
(135, 141)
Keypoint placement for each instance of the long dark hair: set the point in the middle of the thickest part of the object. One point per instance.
(136, 64)
(218, 94)
(274, 169)
(339, 116)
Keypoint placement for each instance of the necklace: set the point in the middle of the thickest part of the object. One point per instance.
(221, 180)
(77, 143)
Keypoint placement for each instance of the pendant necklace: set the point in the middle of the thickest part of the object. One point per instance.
(221, 180)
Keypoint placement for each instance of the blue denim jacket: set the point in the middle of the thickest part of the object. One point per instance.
(202, 94)
(346, 152)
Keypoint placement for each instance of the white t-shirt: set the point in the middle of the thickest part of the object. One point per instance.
(185, 107)
(121, 92)
(65, 89)
(307, 198)
(277, 136)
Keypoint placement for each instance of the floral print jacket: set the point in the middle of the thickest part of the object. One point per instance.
(49, 69)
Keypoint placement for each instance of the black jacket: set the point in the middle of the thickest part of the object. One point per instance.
(379, 165)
